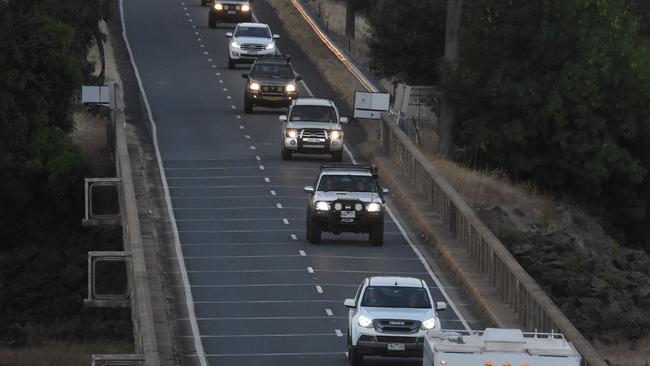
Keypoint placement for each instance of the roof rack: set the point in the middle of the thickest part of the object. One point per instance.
(369, 166)
(286, 58)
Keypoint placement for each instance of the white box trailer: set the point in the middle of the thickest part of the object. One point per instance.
(498, 347)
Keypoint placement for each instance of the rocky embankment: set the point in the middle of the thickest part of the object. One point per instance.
(603, 288)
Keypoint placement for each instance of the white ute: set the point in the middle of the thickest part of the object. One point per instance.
(498, 347)
(389, 317)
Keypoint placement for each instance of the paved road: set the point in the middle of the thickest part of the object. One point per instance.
(261, 294)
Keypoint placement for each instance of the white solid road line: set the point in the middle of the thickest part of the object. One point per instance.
(179, 253)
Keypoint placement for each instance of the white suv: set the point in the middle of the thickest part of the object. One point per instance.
(312, 126)
(249, 41)
(389, 317)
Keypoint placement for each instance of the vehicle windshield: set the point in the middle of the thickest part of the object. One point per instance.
(396, 297)
(346, 183)
(261, 32)
(272, 71)
(313, 113)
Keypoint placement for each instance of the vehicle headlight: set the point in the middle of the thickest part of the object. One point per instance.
(338, 206)
(358, 207)
(373, 207)
(290, 88)
(322, 206)
(292, 133)
(270, 46)
(254, 86)
(335, 135)
(235, 45)
(364, 321)
(218, 6)
(429, 324)
(245, 7)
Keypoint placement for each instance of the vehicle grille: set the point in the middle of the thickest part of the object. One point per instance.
(270, 89)
(405, 340)
(253, 47)
(314, 134)
(396, 325)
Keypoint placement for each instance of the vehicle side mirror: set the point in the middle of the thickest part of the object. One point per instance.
(245, 76)
(441, 305)
(229, 34)
(343, 119)
(283, 118)
(276, 36)
(308, 189)
(349, 303)
(298, 77)
(384, 190)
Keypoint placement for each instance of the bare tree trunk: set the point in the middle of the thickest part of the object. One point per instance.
(447, 112)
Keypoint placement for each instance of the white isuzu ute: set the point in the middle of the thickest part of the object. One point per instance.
(498, 347)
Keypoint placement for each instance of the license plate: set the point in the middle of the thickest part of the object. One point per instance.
(348, 214)
(232, 12)
(307, 139)
(252, 53)
(396, 347)
(272, 98)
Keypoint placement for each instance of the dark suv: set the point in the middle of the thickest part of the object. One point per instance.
(346, 198)
(229, 11)
(272, 82)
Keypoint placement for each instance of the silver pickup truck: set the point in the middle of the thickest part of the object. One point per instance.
(312, 126)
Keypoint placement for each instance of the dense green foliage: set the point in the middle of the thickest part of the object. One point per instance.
(408, 39)
(43, 46)
(556, 92)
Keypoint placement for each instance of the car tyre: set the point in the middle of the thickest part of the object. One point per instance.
(212, 20)
(313, 231)
(376, 236)
(231, 63)
(337, 155)
(354, 356)
(248, 104)
(286, 154)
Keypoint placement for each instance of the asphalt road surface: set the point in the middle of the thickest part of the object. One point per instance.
(262, 295)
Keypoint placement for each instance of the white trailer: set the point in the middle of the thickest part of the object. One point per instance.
(498, 347)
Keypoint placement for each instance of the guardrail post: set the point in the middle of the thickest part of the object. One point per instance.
(103, 300)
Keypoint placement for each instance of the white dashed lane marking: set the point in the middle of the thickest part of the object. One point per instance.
(302, 253)
(286, 222)
(294, 237)
(319, 289)
(279, 205)
(338, 333)
(310, 270)
(329, 312)
(273, 193)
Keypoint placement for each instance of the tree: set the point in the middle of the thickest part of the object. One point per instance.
(407, 39)
(556, 92)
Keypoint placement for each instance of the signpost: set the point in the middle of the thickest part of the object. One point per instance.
(370, 105)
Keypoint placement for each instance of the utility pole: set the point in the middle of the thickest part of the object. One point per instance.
(350, 19)
(447, 112)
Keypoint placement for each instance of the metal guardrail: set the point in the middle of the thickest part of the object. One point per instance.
(513, 284)
(144, 332)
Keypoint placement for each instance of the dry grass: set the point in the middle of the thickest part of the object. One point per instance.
(60, 353)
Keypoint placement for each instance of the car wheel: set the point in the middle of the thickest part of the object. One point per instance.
(337, 155)
(355, 358)
(286, 154)
(231, 63)
(248, 104)
(212, 21)
(314, 232)
(377, 234)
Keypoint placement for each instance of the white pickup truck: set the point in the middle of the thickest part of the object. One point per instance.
(498, 347)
